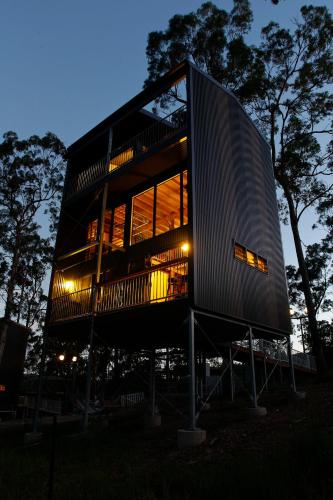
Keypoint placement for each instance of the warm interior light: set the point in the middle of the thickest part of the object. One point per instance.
(185, 247)
(61, 357)
(74, 359)
(183, 139)
(69, 286)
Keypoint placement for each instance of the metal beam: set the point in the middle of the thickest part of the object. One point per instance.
(78, 250)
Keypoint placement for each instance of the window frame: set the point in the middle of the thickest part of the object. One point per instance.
(155, 184)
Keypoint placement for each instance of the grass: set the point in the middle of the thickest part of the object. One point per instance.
(288, 455)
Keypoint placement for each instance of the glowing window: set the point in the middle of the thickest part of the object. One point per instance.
(240, 252)
(121, 159)
(142, 216)
(168, 205)
(118, 227)
(185, 198)
(251, 258)
(262, 264)
(92, 237)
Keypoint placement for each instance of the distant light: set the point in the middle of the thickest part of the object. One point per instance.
(69, 286)
(61, 357)
(291, 312)
(185, 247)
(183, 139)
(74, 359)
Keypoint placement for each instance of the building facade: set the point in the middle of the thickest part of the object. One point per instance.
(170, 204)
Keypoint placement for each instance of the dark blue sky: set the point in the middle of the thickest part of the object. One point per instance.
(66, 64)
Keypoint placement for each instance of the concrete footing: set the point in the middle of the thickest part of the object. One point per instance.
(32, 437)
(153, 421)
(190, 438)
(259, 411)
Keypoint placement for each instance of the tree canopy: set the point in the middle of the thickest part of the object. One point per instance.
(284, 83)
(31, 177)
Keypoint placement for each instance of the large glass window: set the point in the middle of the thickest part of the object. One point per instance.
(142, 216)
(169, 200)
(168, 205)
(91, 238)
(117, 240)
(185, 199)
(114, 226)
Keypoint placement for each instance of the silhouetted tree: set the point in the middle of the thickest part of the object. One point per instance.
(284, 85)
(31, 176)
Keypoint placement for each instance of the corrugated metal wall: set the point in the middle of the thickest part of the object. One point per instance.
(234, 199)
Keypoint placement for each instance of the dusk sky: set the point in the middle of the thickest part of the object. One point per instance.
(66, 65)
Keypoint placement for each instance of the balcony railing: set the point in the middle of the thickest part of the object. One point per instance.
(159, 284)
(278, 352)
(72, 305)
(141, 143)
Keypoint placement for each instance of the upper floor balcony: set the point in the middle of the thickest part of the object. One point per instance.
(161, 283)
(160, 133)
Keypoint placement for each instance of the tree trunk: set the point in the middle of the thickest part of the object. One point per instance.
(311, 313)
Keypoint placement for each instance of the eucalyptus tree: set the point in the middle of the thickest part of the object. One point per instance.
(31, 176)
(284, 83)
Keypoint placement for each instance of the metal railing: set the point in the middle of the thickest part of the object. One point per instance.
(84, 179)
(278, 352)
(159, 284)
(73, 305)
(141, 143)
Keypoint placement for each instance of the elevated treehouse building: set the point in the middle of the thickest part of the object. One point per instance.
(166, 213)
(163, 214)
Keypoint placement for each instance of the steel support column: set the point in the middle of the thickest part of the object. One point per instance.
(191, 364)
(89, 362)
(231, 368)
(253, 373)
(152, 383)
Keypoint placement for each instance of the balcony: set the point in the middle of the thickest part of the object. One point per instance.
(163, 283)
(162, 130)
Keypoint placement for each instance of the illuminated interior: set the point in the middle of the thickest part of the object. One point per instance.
(142, 216)
(121, 159)
(64, 285)
(91, 237)
(114, 227)
(170, 195)
(168, 205)
(251, 258)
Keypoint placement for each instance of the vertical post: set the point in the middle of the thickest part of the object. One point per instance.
(89, 363)
(101, 234)
(302, 333)
(40, 382)
(265, 372)
(152, 382)
(280, 365)
(253, 373)
(191, 364)
(291, 365)
(231, 368)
